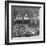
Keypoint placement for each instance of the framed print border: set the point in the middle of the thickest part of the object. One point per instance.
(7, 22)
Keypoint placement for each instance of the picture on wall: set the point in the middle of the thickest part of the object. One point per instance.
(25, 22)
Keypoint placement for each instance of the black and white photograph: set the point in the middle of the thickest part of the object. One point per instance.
(25, 22)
